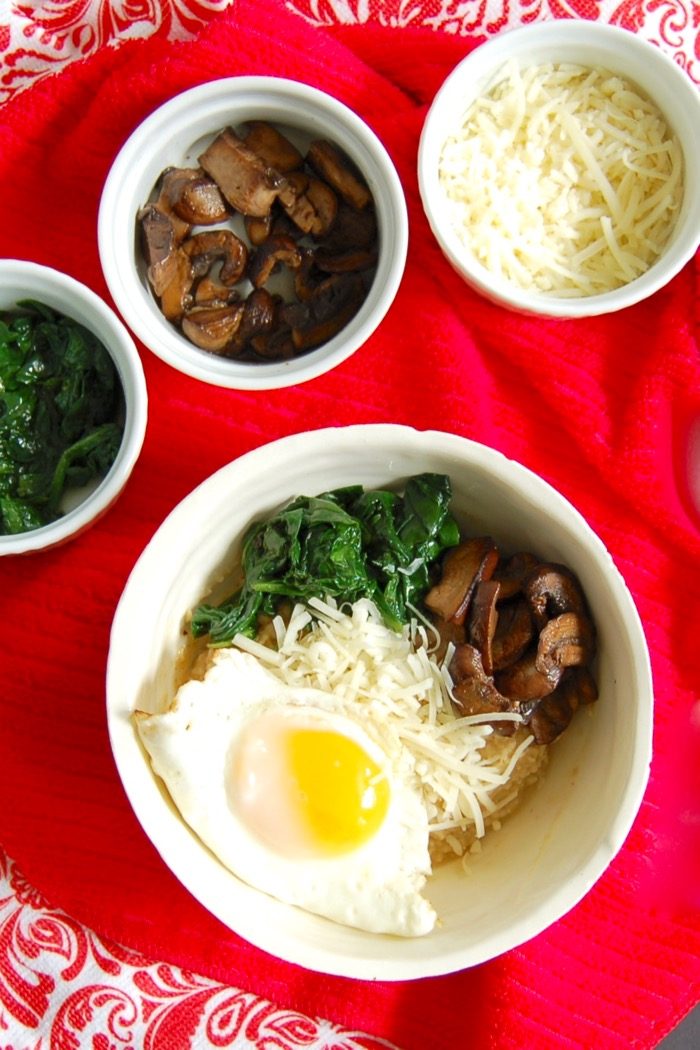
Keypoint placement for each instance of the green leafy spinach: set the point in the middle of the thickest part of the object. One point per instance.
(59, 400)
(346, 544)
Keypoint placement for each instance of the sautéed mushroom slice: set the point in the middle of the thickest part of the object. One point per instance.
(523, 636)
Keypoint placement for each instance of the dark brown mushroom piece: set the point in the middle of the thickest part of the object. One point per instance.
(217, 246)
(316, 265)
(352, 229)
(565, 641)
(260, 313)
(198, 200)
(168, 189)
(328, 161)
(276, 345)
(549, 717)
(272, 147)
(268, 257)
(551, 590)
(512, 573)
(259, 320)
(463, 568)
(345, 262)
(523, 680)
(482, 620)
(311, 205)
(331, 306)
(514, 631)
(307, 277)
(475, 691)
(249, 185)
(212, 328)
(283, 226)
(157, 237)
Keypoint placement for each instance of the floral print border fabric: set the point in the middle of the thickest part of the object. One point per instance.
(40, 37)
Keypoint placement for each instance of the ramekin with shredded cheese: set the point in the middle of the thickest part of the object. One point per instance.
(469, 775)
(563, 179)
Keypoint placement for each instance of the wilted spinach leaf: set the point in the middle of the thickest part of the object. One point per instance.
(347, 544)
(59, 400)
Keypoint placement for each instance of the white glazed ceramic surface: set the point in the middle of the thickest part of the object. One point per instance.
(27, 280)
(585, 43)
(175, 135)
(549, 853)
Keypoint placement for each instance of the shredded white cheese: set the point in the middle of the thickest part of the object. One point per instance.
(563, 180)
(405, 699)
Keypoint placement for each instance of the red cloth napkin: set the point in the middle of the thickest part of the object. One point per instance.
(600, 408)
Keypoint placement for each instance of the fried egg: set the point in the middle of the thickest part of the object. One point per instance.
(290, 791)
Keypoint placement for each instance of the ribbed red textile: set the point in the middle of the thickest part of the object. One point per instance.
(600, 408)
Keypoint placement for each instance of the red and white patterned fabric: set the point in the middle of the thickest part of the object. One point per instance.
(62, 987)
(38, 39)
(675, 26)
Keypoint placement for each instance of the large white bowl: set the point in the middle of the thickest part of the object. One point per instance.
(27, 280)
(175, 135)
(587, 44)
(549, 853)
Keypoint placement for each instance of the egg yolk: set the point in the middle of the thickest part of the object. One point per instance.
(340, 791)
(308, 791)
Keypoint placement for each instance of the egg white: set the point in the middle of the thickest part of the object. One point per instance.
(375, 887)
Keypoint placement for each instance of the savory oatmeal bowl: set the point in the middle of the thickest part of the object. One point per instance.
(381, 700)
